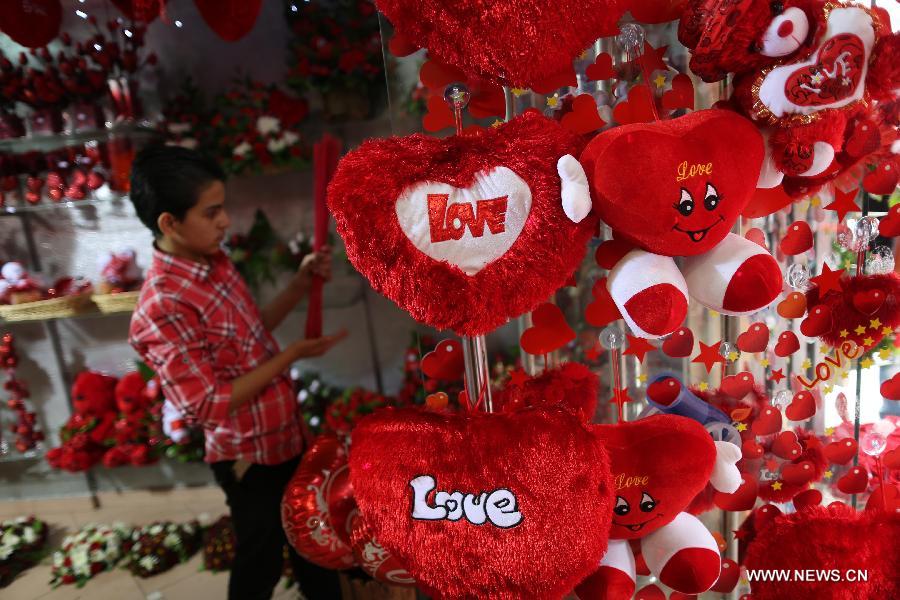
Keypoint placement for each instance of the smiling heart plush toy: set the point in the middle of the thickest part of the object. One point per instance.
(659, 464)
(675, 188)
(509, 506)
(469, 231)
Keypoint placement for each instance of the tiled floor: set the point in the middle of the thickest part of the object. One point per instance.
(184, 582)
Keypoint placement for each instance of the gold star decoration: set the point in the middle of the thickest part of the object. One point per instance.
(497, 123)
(829, 431)
(866, 363)
(875, 323)
(703, 386)
(884, 354)
(765, 362)
(553, 101)
(860, 330)
(660, 80)
(843, 375)
(868, 341)
(776, 485)
(815, 201)
(807, 364)
(642, 378)
(828, 474)
(886, 330)
(741, 427)
(733, 356)
(518, 92)
(828, 389)
(824, 349)
(713, 314)
(844, 333)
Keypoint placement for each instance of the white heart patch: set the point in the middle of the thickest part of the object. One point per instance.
(466, 227)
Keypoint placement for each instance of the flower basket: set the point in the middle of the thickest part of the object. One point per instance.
(158, 547)
(54, 308)
(21, 543)
(116, 303)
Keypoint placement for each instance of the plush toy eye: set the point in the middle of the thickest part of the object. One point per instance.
(711, 201)
(777, 8)
(647, 502)
(686, 205)
(622, 507)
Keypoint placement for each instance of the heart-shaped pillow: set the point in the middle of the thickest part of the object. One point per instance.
(674, 187)
(513, 506)
(832, 539)
(464, 232)
(521, 43)
(659, 464)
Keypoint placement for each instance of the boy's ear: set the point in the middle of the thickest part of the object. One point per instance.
(166, 222)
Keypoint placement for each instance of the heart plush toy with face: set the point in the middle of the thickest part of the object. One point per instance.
(469, 231)
(675, 188)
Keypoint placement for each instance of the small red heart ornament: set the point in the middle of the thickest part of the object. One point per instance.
(798, 473)
(603, 309)
(680, 343)
(805, 499)
(664, 391)
(855, 481)
(892, 459)
(890, 389)
(842, 451)
(755, 339)
(583, 118)
(445, 493)
(637, 108)
(786, 446)
(757, 236)
(767, 422)
(687, 156)
(884, 179)
(797, 240)
(819, 321)
(739, 385)
(802, 406)
(445, 362)
(787, 344)
(793, 306)
(751, 449)
(681, 95)
(728, 577)
(463, 232)
(601, 69)
(742, 499)
(890, 225)
(550, 331)
(868, 302)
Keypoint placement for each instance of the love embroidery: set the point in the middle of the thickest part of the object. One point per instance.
(622, 482)
(823, 371)
(686, 172)
(498, 507)
(449, 223)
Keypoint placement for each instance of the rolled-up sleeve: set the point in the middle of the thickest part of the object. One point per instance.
(169, 337)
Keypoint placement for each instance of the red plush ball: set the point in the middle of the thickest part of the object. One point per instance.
(659, 163)
(862, 298)
(391, 202)
(825, 539)
(94, 393)
(812, 452)
(513, 506)
(521, 43)
(130, 397)
(572, 386)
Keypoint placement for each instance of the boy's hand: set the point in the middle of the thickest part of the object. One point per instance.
(316, 346)
(315, 263)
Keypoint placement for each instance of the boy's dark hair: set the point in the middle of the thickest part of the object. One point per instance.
(169, 179)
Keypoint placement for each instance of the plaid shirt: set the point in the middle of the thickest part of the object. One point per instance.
(198, 327)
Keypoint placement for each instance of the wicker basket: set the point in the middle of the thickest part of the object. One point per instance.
(55, 308)
(116, 303)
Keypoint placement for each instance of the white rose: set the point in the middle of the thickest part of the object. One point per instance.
(29, 535)
(5, 552)
(179, 128)
(242, 149)
(11, 539)
(266, 125)
(171, 541)
(290, 138)
(79, 557)
(189, 143)
(148, 562)
(156, 529)
(276, 145)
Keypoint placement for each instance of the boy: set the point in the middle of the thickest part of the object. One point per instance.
(198, 327)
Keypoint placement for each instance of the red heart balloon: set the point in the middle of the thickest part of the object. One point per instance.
(445, 362)
(664, 391)
(656, 11)
(681, 95)
(884, 179)
(842, 451)
(230, 19)
(638, 108)
(890, 225)
(886, 499)
(438, 115)
(836, 536)
(372, 558)
(751, 449)
(464, 232)
(601, 69)
(892, 459)
(797, 240)
(443, 492)
(583, 118)
(787, 344)
(742, 499)
(680, 343)
(757, 236)
(802, 406)
(793, 306)
(855, 481)
(819, 321)
(869, 301)
(487, 38)
(728, 577)
(739, 385)
(550, 331)
(304, 508)
(786, 446)
(688, 155)
(805, 499)
(755, 339)
(798, 473)
(767, 422)
(31, 23)
(890, 389)
(603, 310)
(650, 457)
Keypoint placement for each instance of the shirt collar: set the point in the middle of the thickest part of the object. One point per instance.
(165, 262)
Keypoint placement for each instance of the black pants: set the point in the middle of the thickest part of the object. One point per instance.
(255, 503)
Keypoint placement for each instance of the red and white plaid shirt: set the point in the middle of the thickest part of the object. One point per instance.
(199, 328)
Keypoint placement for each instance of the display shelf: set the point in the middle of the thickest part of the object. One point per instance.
(48, 143)
(93, 312)
(107, 197)
(13, 455)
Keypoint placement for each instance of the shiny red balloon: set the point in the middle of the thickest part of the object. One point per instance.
(375, 560)
(319, 485)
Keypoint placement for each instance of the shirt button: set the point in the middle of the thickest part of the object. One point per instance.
(185, 360)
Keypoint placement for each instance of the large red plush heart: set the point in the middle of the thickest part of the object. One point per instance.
(508, 505)
(519, 42)
(464, 232)
(826, 538)
(659, 464)
(692, 175)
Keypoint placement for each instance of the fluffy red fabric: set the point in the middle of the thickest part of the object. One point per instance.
(826, 538)
(520, 43)
(812, 452)
(130, 396)
(661, 162)
(556, 469)
(94, 393)
(666, 457)
(573, 387)
(847, 317)
(885, 68)
(363, 194)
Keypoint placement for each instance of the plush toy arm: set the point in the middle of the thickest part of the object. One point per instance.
(576, 196)
(725, 477)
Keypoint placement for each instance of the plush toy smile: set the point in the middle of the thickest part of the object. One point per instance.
(697, 235)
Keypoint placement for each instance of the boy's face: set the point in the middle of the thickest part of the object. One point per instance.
(204, 226)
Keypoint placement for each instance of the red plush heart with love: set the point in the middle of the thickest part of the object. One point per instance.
(680, 343)
(550, 331)
(464, 232)
(486, 37)
(751, 449)
(666, 457)
(692, 179)
(508, 505)
(802, 406)
(797, 240)
(445, 362)
(825, 538)
(755, 339)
